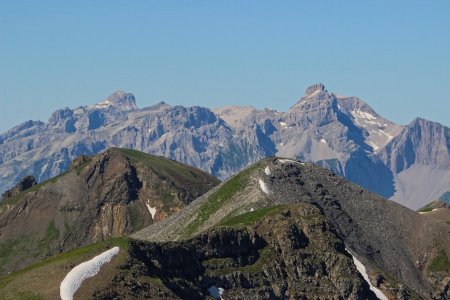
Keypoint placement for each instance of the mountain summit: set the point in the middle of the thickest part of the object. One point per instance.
(315, 88)
(120, 100)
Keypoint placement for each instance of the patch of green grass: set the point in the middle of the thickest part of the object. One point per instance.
(80, 168)
(122, 242)
(13, 248)
(265, 255)
(29, 296)
(219, 198)
(448, 222)
(253, 216)
(136, 217)
(51, 234)
(67, 230)
(24, 281)
(440, 262)
(426, 208)
(162, 165)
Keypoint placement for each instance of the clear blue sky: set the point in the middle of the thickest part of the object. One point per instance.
(393, 54)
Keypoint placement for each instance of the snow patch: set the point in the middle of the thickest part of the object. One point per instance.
(287, 161)
(87, 269)
(362, 270)
(267, 171)
(363, 115)
(216, 292)
(252, 209)
(152, 210)
(103, 104)
(264, 187)
(375, 147)
(283, 124)
(427, 212)
(290, 161)
(323, 141)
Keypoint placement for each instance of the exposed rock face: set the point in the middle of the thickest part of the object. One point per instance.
(341, 133)
(319, 87)
(420, 159)
(294, 253)
(110, 195)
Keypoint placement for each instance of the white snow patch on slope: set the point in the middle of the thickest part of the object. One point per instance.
(426, 212)
(87, 269)
(323, 141)
(267, 171)
(216, 292)
(372, 144)
(152, 210)
(283, 124)
(290, 161)
(287, 161)
(362, 270)
(363, 115)
(102, 104)
(264, 187)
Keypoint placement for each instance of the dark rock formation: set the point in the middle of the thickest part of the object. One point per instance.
(23, 185)
(294, 254)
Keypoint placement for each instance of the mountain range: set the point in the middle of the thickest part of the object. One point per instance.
(409, 164)
(279, 229)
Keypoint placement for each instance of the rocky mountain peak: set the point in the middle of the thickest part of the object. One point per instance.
(318, 87)
(314, 93)
(120, 100)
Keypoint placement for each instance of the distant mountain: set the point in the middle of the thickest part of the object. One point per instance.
(409, 164)
(112, 194)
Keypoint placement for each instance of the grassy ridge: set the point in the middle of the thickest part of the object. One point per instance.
(215, 201)
(251, 217)
(162, 165)
(440, 262)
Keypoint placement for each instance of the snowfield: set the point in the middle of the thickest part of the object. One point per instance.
(216, 292)
(87, 269)
(264, 187)
(290, 161)
(152, 210)
(267, 171)
(362, 270)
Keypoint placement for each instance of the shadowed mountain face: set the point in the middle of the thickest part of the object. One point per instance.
(110, 195)
(410, 164)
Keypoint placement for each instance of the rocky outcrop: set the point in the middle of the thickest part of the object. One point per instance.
(110, 195)
(23, 185)
(294, 253)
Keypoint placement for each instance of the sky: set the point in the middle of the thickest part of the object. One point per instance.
(395, 55)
